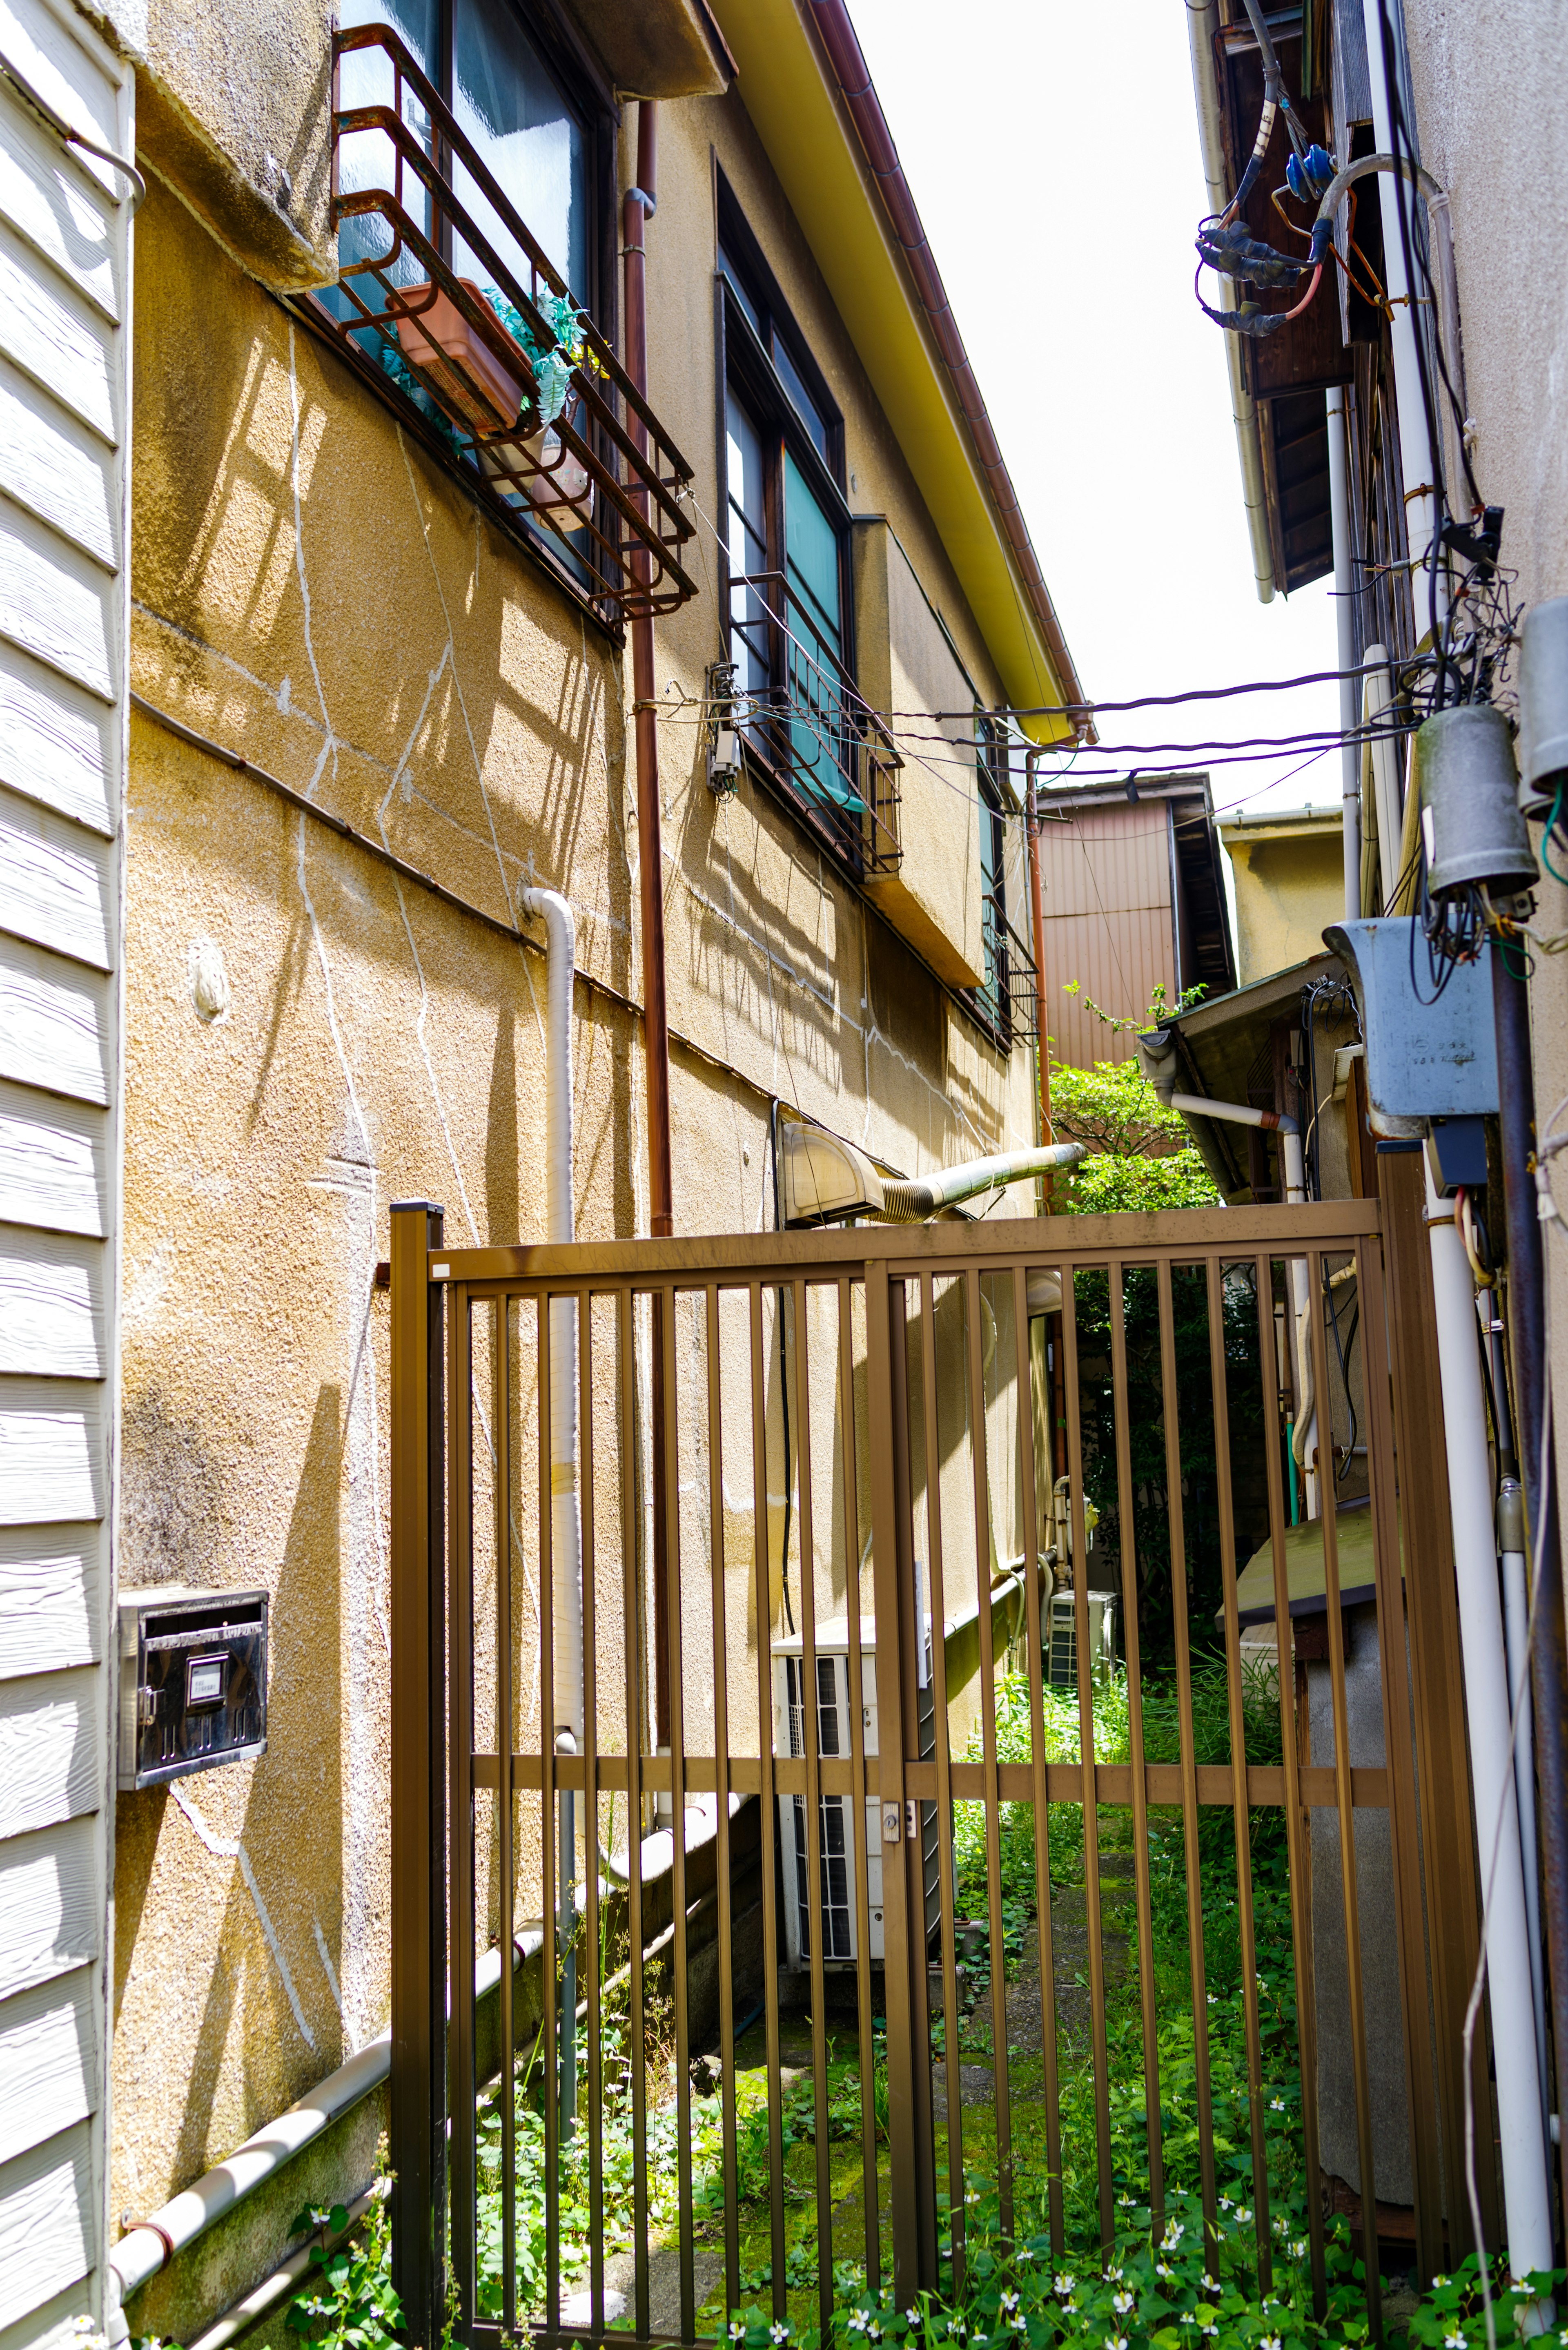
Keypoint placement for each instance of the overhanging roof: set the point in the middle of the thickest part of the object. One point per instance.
(788, 92)
(1221, 1042)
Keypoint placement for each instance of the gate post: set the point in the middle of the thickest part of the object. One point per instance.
(903, 1939)
(417, 2132)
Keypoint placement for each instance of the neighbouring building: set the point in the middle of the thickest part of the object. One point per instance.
(1134, 900)
(1288, 868)
(317, 618)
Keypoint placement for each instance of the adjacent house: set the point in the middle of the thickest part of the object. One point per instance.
(518, 445)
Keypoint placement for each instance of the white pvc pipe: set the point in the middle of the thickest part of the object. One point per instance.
(1509, 1989)
(1516, 1630)
(1376, 702)
(561, 1227)
(566, 1502)
(1416, 458)
(1345, 623)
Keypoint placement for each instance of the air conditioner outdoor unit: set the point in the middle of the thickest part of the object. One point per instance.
(841, 1851)
(1062, 1637)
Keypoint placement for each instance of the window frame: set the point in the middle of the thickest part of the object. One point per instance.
(990, 1004)
(746, 364)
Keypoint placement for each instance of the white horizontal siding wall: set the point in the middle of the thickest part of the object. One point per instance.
(65, 293)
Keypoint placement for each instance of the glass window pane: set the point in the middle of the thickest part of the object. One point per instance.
(804, 407)
(738, 286)
(511, 107)
(748, 542)
(822, 752)
(366, 159)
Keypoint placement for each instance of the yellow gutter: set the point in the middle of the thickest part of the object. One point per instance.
(823, 171)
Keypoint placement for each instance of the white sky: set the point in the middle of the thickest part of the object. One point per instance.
(1053, 152)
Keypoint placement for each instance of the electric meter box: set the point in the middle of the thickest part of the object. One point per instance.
(192, 1682)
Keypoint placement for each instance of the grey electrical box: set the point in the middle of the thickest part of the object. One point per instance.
(1425, 1059)
(192, 1682)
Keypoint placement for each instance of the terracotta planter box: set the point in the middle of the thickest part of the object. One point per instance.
(474, 379)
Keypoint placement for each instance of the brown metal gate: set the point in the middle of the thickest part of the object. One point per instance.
(868, 1442)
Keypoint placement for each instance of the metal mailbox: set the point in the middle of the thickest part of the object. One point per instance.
(192, 1682)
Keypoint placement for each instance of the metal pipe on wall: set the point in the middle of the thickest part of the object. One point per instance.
(1344, 621)
(641, 202)
(1037, 916)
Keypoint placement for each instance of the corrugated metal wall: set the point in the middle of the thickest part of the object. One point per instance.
(1106, 876)
(65, 290)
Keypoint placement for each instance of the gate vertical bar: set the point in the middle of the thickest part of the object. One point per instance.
(981, 1481)
(591, 1842)
(626, 1312)
(914, 1871)
(902, 2053)
(1148, 1988)
(676, 1724)
(957, 2214)
(1431, 1601)
(1036, 1644)
(849, 1492)
(770, 1920)
(1298, 1824)
(1238, 1728)
(418, 2088)
(505, 1807)
(1404, 1821)
(815, 1819)
(722, 1801)
(1089, 1775)
(460, 2074)
(1176, 1519)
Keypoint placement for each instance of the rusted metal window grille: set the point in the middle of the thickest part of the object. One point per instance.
(599, 489)
(812, 726)
(926, 1421)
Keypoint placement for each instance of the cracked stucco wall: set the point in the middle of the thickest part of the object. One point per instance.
(308, 1040)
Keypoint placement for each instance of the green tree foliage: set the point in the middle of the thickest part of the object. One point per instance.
(1141, 1156)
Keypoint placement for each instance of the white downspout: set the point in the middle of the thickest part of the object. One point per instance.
(566, 1502)
(1510, 1991)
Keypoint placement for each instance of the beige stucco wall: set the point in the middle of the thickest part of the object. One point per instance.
(1290, 882)
(312, 591)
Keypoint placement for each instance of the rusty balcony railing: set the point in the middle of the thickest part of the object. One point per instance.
(1009, 989)
(804, 714)
(443, 298)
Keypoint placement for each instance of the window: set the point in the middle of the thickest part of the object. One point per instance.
(538, 138)
(787, 544)
(993, 997)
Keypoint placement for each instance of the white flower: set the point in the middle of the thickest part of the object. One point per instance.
(911, 2317)
(1453, 2342)
(1211, 2329)
(1174, 2232)
(1126, 2201)
(1262, 1984)
(1276, 2104)
(1122, 2303)
(1270, 2341)
(777, 2333)
(1438, 2283)
(1210, 2285)
(738, 2327)
(1163, 2268)
(1213, 1998)
(1298, 2249)
(1115, 2342)
(1243, 2214)
(1064, 2285)
(1225, 2203)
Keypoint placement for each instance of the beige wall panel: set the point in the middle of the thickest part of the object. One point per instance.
(56, 1023)
(52, 1305)
(48, 2062)
(51, 1584)
(55, 338)
(53, 1155)
(48, 2228)
(48, 466)
(51, 1904)
(52, 1459)
(47, 197)
(57, 745)
(56, 882)
(51, 1754)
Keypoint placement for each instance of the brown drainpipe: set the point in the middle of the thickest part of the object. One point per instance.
(1037, 908)
(854, 78)
(640, 201)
